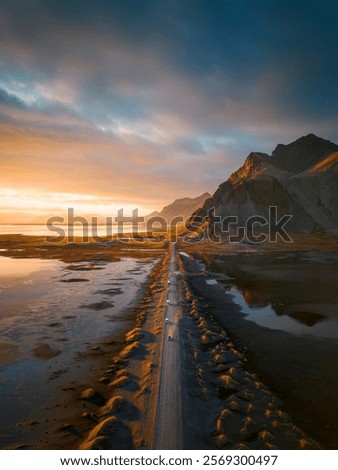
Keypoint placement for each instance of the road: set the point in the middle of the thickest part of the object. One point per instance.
(169, 430)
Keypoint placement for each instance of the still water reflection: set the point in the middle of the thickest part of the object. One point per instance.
(294, 292)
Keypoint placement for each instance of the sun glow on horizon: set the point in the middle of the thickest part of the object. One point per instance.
(37, 206)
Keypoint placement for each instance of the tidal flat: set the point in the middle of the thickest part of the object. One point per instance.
(280, 305)
(63, 311)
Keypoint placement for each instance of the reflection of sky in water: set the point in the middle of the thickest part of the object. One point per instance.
(77, 230)
(10, 267)
(39, 306)
(321, 326)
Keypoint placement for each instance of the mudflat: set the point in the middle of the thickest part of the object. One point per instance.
(293, 345)
(66, 311)
(101, 354)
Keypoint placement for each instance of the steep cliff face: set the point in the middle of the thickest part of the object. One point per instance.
(317, 189)
(254, 165)
(301, 179)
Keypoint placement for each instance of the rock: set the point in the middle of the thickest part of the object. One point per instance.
(305, 444)
(233, 372)
(219, 359)
(240, 446)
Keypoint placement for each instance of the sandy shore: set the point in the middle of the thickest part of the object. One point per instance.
(127, 419)
(238, 389)
(298, 372)
(82, 396)
(226, 403)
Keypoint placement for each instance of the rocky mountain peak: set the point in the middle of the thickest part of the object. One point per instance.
(301, 154)
(300, 179)
(254, 164)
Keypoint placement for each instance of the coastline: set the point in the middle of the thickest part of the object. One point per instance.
(236, 408)
(127, 419)
(83, 398)
(305, 386)
(238, 389)
(227, 403)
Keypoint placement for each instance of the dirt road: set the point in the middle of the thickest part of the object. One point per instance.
(168, 432)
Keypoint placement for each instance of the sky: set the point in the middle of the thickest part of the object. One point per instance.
(132, 104)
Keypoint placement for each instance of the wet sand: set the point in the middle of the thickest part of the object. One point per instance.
(300, 370)
(226, 404)
(50, 412)
(243, 385)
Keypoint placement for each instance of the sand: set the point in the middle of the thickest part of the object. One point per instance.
(225, 403)
(299, 371)
(70, 415)
(8, 352)
(237, 392)
(127, 418)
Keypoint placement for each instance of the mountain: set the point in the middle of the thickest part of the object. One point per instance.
(183, 207)
(301, 154)
(300, 178)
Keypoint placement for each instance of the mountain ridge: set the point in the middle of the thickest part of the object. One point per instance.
(183, 207)
(300, 179)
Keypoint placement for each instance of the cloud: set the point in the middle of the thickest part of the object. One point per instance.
(148, 101)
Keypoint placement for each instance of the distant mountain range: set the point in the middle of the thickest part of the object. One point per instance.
(300, 178)
(183, 207)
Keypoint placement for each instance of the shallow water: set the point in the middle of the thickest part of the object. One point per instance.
(293, 292)
(302, 322)
(51, 312)
(77, 230)
(289, 329)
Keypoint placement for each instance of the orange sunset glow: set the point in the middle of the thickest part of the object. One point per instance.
(107, 113)
(168, 233)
